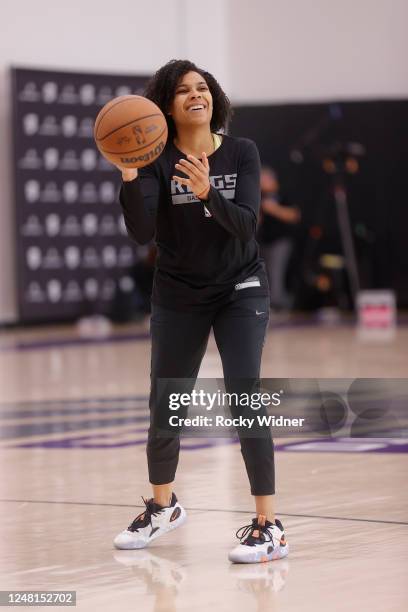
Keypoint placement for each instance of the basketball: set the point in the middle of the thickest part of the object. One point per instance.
(130, 131)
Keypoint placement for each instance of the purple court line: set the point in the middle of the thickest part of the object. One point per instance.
(67, 342)
(387, 447)
(73, 400)
(85, 442)
(73, 442)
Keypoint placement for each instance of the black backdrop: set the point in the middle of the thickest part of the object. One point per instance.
(72, 249)
(378, 193)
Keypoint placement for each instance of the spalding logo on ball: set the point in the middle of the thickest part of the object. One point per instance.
(130, 131)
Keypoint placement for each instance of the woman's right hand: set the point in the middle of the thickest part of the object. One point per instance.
(128, 174)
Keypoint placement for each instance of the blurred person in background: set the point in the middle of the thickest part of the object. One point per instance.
(278, 221)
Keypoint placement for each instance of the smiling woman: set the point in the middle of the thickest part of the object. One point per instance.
(175, 80)
(200, 201)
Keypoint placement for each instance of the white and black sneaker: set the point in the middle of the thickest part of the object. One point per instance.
(260, 541)
(153, 522)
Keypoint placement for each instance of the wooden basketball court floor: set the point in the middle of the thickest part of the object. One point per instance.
(73, 425)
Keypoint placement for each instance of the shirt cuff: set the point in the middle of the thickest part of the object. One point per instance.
(208, 198)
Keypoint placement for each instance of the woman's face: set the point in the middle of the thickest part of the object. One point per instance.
(192, 104)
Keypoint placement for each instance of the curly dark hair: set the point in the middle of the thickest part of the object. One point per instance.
(162, 87)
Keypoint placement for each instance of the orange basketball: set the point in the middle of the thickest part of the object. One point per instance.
(130, 131)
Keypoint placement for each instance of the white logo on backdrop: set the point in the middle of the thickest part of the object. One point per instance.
(72, 292)
(70, 191)
(91, 288)
(109, 256)
(107, 226)
(70, 161)
(49, 126)
(86, 127)
(107, 192)
(68, 95)
(72, 257)
(52, 259)
(35, 294)
(71, 227)
(33, 257)
(90, 224)
(126, 284)
(87, 94)
(32, 227)
(51, 158)
(88, 194)
(30, 161)
(32, 191)
(52, 224)
(30, 124)
(69, 125)
(54, 290)
(123, 90)
(104, 95)
(126, 256)
(91, 258)
(51, 193)
(88, 159)
(49, 92)
(108, 289)
(29, 93)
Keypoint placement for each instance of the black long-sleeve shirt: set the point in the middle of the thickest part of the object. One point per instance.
(206, 250)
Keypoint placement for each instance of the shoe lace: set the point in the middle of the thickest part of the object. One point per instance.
(145, 517)
(247, 532)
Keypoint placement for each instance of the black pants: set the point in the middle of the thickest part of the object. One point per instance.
(179, 341)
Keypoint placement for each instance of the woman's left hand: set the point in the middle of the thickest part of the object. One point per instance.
(198, 173)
